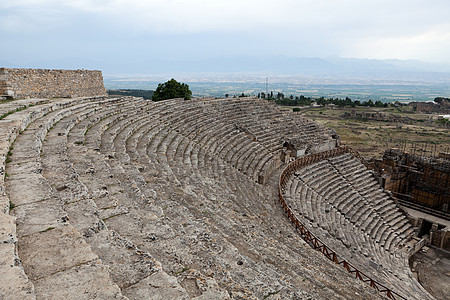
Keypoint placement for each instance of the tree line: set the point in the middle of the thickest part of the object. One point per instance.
(146, 94)
(306, 101)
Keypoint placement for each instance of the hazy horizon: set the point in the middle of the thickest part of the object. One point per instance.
(136, 36)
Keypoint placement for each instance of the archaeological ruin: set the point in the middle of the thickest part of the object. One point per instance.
(46, 83)
(125, 198)
(421, 183)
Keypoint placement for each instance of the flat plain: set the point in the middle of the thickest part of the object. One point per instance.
(418, 132)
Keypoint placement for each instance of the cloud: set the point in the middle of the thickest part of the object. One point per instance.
(431, 45)
(372, 28)
(194, 16)
(30, 16)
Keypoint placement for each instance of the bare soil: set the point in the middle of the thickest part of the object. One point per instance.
(431, 266)
(424, 135)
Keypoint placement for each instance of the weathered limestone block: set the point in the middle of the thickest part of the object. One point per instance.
(212, 291)
(24, 170)
(64, 249)
(4, 201)
(84, 281)
(128, 265)
(14, 284)
(158, 286)
(33, 193)
(7, 229)
(37, 217)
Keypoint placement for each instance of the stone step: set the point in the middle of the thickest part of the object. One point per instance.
(41, 219)
(161, 181)
(334, 208)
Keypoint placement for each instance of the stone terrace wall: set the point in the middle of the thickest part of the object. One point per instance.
(46, 83)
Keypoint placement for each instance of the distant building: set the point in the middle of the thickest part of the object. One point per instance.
(430, 107)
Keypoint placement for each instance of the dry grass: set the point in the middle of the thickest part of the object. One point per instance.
(371, 138)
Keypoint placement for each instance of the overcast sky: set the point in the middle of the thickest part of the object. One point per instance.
(98, 32)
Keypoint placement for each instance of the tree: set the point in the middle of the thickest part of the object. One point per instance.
(439, 100)
(368, 103)
(378, 103)
(172, 89)
(280, 95)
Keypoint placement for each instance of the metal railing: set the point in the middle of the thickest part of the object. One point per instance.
(309, 237)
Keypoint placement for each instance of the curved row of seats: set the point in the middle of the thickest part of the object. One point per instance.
(238, 148)
(121, 187)
(39, 214)
(185, 141)
(115, 138)
(341, 202)
(156, 137)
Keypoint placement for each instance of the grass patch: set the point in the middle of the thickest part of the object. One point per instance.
(271, 294)
(7, 101)
(11, 205)
(112, 216)
(8, 155)
(48, 229)
(12, 111)
(182, 270)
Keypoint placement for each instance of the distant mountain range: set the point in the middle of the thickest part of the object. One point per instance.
(329, 66)
(320, 66)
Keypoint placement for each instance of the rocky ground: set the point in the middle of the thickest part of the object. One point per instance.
(431, 266)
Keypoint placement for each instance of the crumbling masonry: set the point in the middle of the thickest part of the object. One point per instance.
(45, 83)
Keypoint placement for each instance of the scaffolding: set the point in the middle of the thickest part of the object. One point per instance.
(420, 182)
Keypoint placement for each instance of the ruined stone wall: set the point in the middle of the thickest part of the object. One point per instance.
(440, 238)
(4, 84)
(417, 179)
(46, 83)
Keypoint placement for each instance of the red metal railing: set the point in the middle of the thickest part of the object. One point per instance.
(309, 237)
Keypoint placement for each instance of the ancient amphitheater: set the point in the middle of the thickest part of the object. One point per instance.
(108, 198)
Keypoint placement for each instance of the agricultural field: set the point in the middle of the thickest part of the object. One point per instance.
(419, 132)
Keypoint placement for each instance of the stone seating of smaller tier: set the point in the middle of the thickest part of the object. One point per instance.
(377, 200)
(341, 203)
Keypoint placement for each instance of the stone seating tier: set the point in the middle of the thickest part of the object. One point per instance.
(172, 185)
(342, 204)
